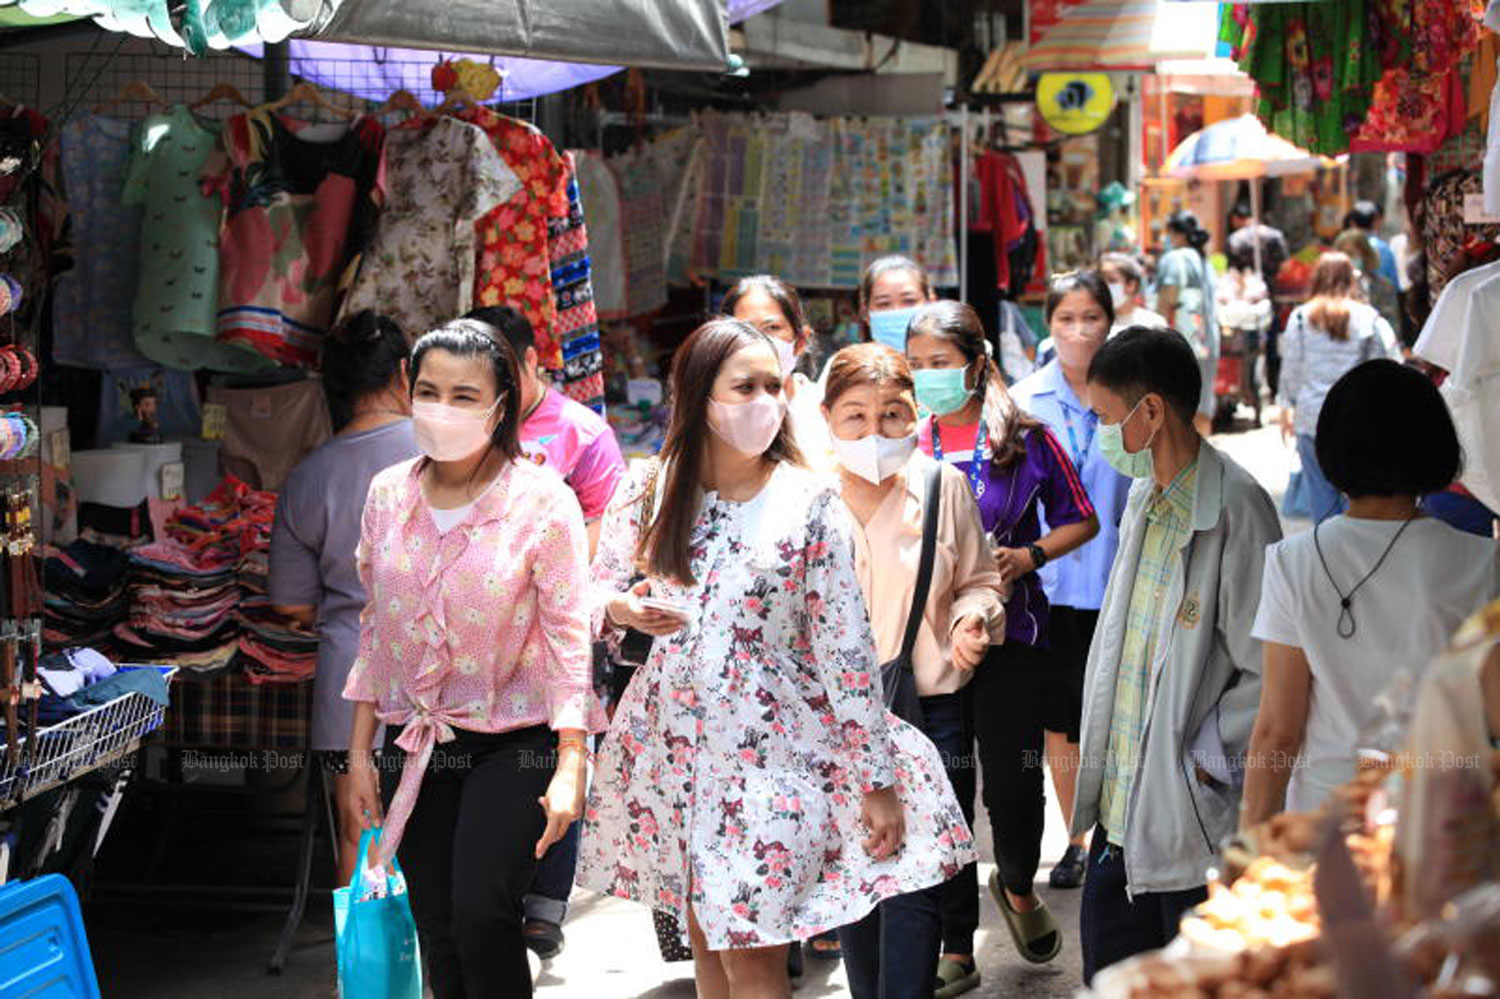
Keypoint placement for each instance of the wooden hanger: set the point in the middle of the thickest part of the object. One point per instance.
(305, 91)
(404, 100)
(135, 90)
(221, 91)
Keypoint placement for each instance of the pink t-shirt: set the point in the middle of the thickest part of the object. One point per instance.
(576, 443)
(484, 628)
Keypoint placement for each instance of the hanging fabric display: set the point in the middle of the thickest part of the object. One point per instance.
(92, 302)
(177, 296)
(1415, 107)
(1315, 65)
(601, 206)
(300, 205)
(815, 200)
(442, 176)
(582, 375)
(643, 216)
(513, 264)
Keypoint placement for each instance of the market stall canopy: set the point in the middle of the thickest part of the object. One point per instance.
(1239, 149)
(375, 72)
(669, 34)
(1136, 35)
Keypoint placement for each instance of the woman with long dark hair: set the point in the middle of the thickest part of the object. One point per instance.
(1017, 471)
(474, 651)
(752, 782)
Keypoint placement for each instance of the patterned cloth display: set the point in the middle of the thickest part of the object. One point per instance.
(177, 298)
(514, 265)
(815, 200)
(92, 302)
(300, 206)
(440, 180)
(643, 217)
(582, 375)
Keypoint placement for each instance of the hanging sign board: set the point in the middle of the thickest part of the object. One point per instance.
(1075, 103)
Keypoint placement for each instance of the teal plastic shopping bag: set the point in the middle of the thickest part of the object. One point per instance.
(376, 936)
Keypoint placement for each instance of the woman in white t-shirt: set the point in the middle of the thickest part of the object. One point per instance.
(1127, 286)
(1364, 596)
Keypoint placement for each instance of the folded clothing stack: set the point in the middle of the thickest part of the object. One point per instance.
(273, 649)
(199, 597)
(181, 607)
(86, 595)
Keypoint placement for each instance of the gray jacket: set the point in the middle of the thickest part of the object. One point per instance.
(1206, 680)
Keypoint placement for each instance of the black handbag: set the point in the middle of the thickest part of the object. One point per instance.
(635, 646)
(897, 678)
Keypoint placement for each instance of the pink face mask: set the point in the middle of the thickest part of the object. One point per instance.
(448, 433)
(748, 427)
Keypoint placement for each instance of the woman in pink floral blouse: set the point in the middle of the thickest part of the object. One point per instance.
(474, 650)
(753, 783)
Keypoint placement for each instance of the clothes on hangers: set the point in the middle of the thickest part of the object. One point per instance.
(442, 177)
(300, 204)
(92, 301)
(643, 214)
(177, 294)
(268, 430)
(513, 264)
(1004, 210)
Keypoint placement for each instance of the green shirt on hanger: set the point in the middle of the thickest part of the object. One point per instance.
(177, 299)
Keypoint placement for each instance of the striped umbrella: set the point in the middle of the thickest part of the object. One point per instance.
(1134, 34)
(1238, 149)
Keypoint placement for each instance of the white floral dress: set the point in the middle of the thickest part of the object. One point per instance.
(735, 766)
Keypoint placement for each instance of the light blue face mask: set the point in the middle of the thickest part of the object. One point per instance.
(1137, 464)
(942, 390)
(889, 327)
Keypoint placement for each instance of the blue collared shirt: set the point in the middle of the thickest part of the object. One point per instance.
(1078, 578)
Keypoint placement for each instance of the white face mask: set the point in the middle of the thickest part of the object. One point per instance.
(1117, 293)
(874, 458)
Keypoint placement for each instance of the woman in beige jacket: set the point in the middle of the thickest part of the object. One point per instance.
(871, 410)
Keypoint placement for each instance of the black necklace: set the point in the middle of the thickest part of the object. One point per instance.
(1346, 613)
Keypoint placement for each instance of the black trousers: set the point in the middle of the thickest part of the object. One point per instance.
(1111, 925)
(1009, 690)
(468, 854)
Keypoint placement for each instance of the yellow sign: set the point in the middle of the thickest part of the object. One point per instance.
(1075, 103)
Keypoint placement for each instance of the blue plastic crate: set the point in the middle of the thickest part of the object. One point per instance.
(44, 951)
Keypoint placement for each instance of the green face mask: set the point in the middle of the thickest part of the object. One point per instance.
(1136, 465)
(942, 390)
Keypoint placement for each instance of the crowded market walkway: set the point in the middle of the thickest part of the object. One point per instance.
(611, 951)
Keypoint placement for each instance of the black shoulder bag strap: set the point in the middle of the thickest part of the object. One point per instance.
(931, 504)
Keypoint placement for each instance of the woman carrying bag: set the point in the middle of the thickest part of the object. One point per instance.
(474, 650)
(935, 602)
(752, 781)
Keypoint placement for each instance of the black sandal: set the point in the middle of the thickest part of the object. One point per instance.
(825, 947)
(1070, 869)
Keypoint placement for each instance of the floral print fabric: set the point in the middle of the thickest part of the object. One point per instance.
(436, 653)
(440, 180)
(1416, 107)
(733, 775)
(514, 265)
(1315, 65)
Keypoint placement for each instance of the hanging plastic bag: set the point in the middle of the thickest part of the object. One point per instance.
(375, 934)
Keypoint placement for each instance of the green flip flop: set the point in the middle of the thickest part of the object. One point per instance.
(954, 979)
(1028, 929)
